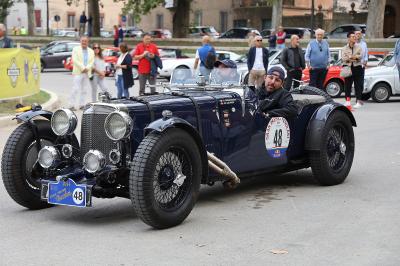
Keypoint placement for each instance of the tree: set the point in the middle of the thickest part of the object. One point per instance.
(180, 17)
(277, 11)
(376, 17)
(31, 16)
(4, 6)
(94, 12)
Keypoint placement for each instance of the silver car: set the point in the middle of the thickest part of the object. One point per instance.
(382, 81)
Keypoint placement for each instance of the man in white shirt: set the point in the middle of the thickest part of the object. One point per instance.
(257, 62)
(82, 59)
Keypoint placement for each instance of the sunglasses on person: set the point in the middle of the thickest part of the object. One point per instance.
(96, 47)
(259, 40)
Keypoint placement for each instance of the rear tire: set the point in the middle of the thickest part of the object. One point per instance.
(332, 163)
(17, 165)
(165, 178)
(381, 93)
(334, 88)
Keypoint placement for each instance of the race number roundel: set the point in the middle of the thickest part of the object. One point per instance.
(277, 137)
(78, 196)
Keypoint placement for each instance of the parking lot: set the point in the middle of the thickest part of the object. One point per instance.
(354, 223)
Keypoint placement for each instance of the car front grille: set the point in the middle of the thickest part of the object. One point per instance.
(93, 135)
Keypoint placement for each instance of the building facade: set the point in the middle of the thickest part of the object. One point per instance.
(110, 14)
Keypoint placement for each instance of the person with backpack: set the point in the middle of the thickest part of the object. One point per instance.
(207, 57)
(257, 62)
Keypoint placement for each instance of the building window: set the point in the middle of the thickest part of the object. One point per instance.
(71, 20)
(288, 2)
(239, 23)
(265, 23)
(198, 18)
(223, 21)
(160, 21)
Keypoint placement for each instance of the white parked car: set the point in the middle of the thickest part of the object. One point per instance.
(169, 65)
(382, 81)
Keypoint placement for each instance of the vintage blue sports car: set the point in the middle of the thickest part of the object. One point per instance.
(157, 149)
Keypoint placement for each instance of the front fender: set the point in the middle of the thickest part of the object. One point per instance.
(318, 121)
(27, 116)
(163, 124)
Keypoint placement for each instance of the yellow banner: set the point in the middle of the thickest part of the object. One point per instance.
(19, 72)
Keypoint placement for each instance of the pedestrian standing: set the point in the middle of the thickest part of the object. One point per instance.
(82, 24)
(280, 38)
(123, 72)
(144, 52)
(317, 59)
(99, 71)
(116, 44)
(120, 34)
(251, 38)
(364, 55)
(293, 61)
(397, 55)
(351, 57)
(83, 60)
(272, 40)
(207, 56)
(257, 63)
(5, 42)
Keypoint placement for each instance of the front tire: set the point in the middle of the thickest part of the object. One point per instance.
(332, 163)
(165, 178)
(20, 177)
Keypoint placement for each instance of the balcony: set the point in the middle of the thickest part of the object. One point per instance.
(248, 3)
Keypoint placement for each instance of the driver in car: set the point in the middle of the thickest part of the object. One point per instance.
(273, 100)
(226, 72)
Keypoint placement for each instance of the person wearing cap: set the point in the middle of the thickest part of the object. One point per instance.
(227, 71)
(292, 60)
(257, 62)
(273, 99)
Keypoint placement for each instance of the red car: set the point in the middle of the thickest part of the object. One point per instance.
(334, 83)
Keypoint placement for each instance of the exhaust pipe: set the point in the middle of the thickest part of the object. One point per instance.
(221, 168)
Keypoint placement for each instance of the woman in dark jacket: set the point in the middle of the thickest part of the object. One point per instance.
(123, 73)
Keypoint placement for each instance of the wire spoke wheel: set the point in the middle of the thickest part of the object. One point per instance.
(172, 178)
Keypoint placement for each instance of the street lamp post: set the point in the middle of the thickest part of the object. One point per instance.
(47, 15)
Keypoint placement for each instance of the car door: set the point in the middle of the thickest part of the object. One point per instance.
(244, 142)
(55, 55)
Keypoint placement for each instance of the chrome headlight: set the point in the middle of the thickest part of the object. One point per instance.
(94, 161)
(63, 122)
(118, 125)
(48, 156)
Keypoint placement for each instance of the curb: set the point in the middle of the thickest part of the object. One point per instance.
(51, 104)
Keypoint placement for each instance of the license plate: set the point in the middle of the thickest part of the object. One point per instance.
(67, 192)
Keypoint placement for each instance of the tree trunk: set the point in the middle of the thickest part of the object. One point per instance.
(376, 17)
(180, 20)
(93, 10)
(31, 17)
(277, 11)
